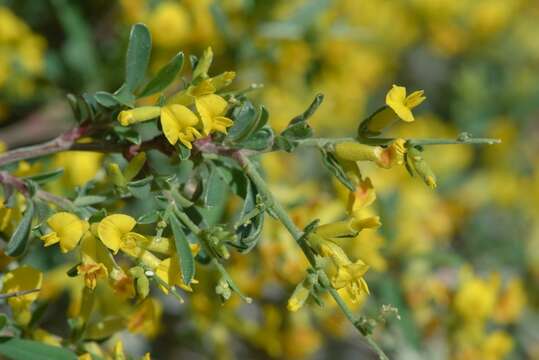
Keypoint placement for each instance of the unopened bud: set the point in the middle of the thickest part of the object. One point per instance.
(355, 151)
(143, 113)
(420, 167)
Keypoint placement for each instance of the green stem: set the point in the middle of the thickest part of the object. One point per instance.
(458, 141)
(187, 221)
(296, 233)
(230, 281)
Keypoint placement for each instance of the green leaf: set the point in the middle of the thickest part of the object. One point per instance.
(298, 128)
(164, 77)
(19, 239)
(46, 176)
(129, 134)
(3, 321)
(243, 116)
(184, 153)
(21, 349)
(260, 140)
(138, 56)
(250, 233)
(125, 96)
(183, 250)
(106, 99)
(141, 188)
(89, 200)
(332, 164)
(149, 218)
(215, 187)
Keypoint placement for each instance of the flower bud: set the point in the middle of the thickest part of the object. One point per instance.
(115, 173)
(223, 289)
(298, 298)
(201, 70)
(222, 80)
(355, 151)
(134, 166)
(337, 229)
(420, 167)
(140, 114)
(380, 120)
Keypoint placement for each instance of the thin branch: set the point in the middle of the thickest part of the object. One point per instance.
(60, 143)
(17, 183)
(17, 293)
(296, 233)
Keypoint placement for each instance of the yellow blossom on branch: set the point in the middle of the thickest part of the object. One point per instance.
(67, 229)
(114, 229)
(401, 104)
(212, 109)
(179, 123)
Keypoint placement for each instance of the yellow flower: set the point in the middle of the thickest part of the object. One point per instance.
(211, 109)
(476, 298)
(511, 302)
(21, 279)
(179, 123)
(392, 155)
(170, 24)
(401, 104)
(67, 229)
(343, 273)
(96, 262)
(115, 229)
(169, 272)
(363, 196)
(497, 345)
(146, 319)
(79, 167)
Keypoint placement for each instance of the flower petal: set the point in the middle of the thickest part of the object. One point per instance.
(112, 228)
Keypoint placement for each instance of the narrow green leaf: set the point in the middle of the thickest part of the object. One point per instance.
(298, 128)
(332, 164)
(21, 349)
(183, 250)
(106, 99)
(138, 56)
(46, 176)
(19, 239)
(89, 200)
(164, 77)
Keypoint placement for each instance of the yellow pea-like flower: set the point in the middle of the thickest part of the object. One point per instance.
(95, 261)
(211, 109)
(67, 229)
(178, 123)
(21, 279)
(169, 272)
(401, 104)
(113, 229)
